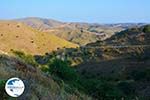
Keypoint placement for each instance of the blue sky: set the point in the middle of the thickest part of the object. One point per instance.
(99, 11)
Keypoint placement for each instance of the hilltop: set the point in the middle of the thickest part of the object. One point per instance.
(17, 36)
(40, 23)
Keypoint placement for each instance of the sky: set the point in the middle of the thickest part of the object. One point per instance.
(92, 11)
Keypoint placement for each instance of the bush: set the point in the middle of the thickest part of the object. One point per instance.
(102, 90)
(141, 75)
(127, 88)
(2, 89)
(146, 29)
(27, 58)
(62, 70)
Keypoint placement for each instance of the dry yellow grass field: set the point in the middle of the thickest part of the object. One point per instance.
(17, 36)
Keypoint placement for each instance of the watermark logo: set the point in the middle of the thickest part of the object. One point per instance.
(14, 87)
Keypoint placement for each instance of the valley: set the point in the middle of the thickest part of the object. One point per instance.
(76, 61)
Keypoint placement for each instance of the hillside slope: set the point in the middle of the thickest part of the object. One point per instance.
(122, 61)
(83, 33)
(38, 86)
(17, 36)
(39, 23)
(131, 36)
(80, 33)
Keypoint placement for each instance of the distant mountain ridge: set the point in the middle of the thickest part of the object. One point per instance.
(40, 23)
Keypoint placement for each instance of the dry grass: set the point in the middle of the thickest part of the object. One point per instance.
(20, 37)
(38, 86)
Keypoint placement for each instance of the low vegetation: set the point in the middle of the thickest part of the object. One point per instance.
(38, 85)
(112, 85)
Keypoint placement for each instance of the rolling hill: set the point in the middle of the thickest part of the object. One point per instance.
(17, 36)
(79, 33)
(131, 36)
(109, 69)
(122, 62)
(123, 59)
(106, 68)
(40, 23)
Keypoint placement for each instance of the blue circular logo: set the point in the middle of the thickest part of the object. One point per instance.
(14, 87)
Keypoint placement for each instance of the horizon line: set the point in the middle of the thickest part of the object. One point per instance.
(65, 21)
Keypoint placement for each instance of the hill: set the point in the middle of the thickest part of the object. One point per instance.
(40, 23)
(113, 68)
(38, 85)
(124, 58)
(80, 33)
(17, 36)
(83, 33)
(121, 45)
(118, 67)
(131, 36)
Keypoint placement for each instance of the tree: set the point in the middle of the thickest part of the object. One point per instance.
(2, 89)
(127, 88)
(146, 29)
(62, 69)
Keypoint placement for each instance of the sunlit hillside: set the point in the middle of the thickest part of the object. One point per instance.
(17, 36)
(79, 33)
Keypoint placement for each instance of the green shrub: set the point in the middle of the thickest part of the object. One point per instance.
(62, 70)
(2, 89)
(141, 75)
(146, 29)
(27, 58)
(127, 88)
(99, 89)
